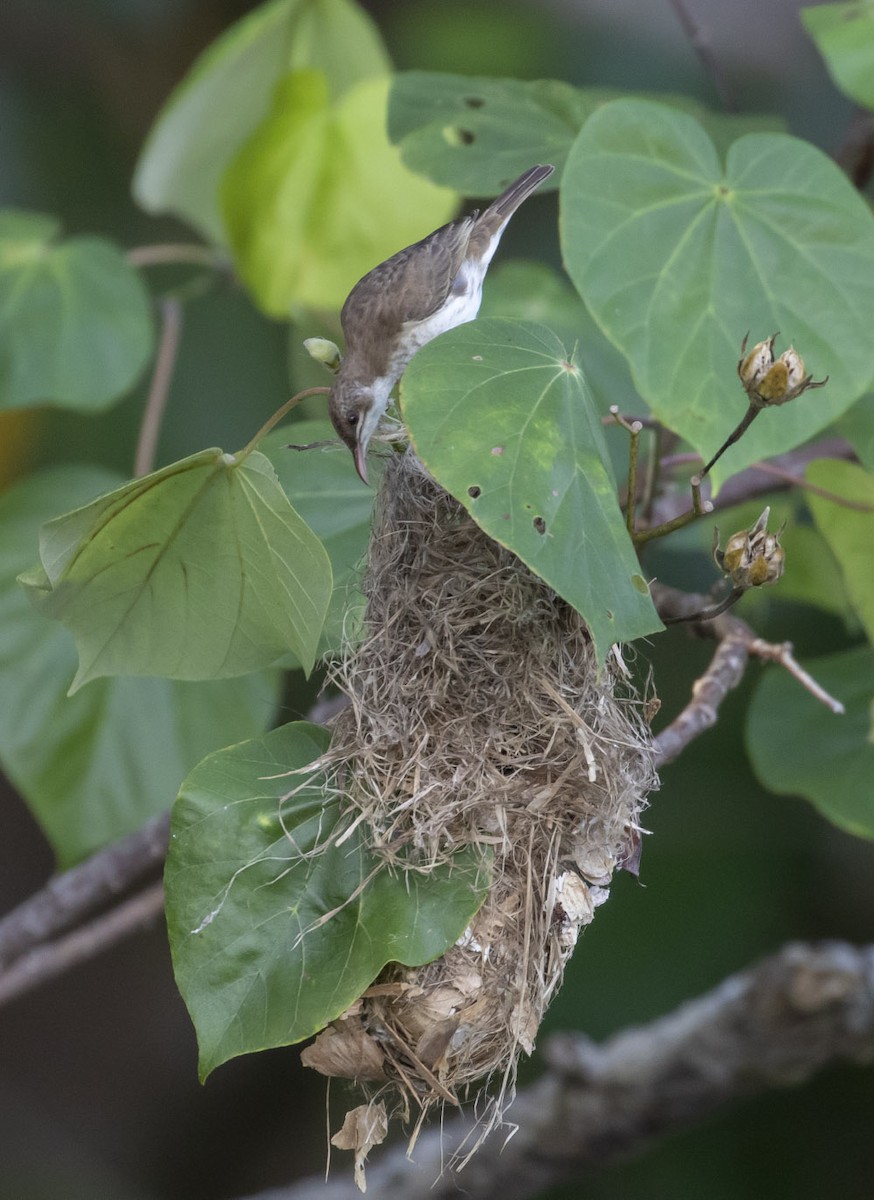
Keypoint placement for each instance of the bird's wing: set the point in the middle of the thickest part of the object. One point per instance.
(410, 285)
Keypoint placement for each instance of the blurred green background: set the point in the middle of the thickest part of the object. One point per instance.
(98, 1090)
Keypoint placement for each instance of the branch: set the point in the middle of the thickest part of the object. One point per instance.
(49, 961)
(170, 308)
(737, 641)
(70, 897)
(703, 47)
(109, 873)
(778, 474)
(735, 638)
(774, 1025)
(855, 154)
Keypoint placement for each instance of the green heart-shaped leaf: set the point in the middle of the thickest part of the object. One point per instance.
(503, 420)
(677, 259)
(798, 748)
(199, 571)
(275, 928)
(476, 134)
(95, 766)
(75, 320)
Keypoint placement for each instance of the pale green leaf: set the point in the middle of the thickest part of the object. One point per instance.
(318, 195)
(532, 291)
(199, 571)
(228, 92)
(275, 929)
(75, 320)
(477, 133)
(324, 489)
(678, 259)
(798, 747)
(95, 766)
(844, 34)
(503, 420)
(849, 531)
(857, 426)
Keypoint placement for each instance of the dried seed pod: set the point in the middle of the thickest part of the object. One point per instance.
(752, 557)
(769, 382)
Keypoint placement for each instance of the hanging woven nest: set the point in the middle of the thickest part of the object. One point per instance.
(477, 716)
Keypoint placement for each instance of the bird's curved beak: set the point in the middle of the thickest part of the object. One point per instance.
(360, 457)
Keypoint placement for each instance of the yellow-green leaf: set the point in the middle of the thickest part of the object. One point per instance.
(228, 91)
(318, 195)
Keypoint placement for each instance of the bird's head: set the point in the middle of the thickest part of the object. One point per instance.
(355, 412)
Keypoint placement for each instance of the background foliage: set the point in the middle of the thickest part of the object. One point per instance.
(731, 870)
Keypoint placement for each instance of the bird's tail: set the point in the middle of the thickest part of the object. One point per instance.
(509, 200)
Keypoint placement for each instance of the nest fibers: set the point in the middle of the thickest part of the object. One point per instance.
(477, 716)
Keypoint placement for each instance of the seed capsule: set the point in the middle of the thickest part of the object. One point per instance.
(752, 557)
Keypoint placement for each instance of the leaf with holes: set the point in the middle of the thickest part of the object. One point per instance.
(504, 421)
(677, 258)
(476, 134)
(75, 320)
(202, 570)
(275, 928)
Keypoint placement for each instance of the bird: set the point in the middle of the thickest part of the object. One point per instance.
(404, 302)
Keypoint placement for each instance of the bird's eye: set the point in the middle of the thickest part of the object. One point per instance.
(352, 418)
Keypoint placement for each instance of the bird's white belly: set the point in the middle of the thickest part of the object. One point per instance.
(461, 305)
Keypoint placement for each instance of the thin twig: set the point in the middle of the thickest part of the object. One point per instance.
(774, 1025)
(703, 47)
(282, 411)
(49, 961)
(653, 473)
(737, 641)
(800, 482)
(710, 611)
(723, 673)
(755, 481)
(170, 254)
(170, 308)
(700, 508)
(633, 429)
(782, 653)
(735, 436)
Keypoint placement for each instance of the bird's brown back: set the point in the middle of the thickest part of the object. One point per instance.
(409, 286)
